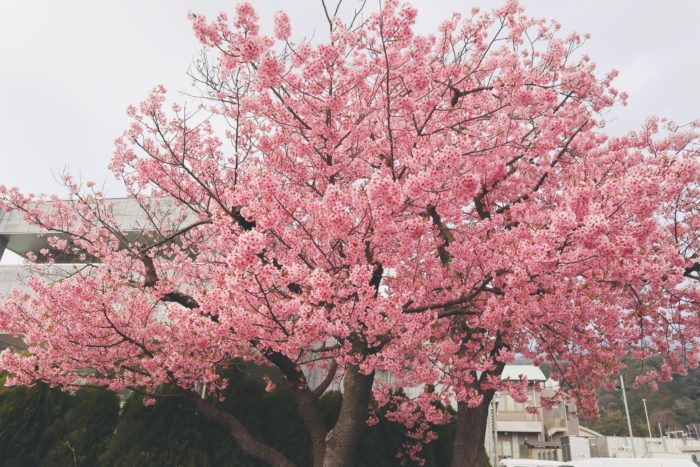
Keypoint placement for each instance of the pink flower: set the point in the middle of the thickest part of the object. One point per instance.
(283, 29)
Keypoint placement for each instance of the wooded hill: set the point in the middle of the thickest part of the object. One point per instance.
(675, 405)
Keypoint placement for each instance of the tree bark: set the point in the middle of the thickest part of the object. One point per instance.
(308, 408)
(241, 435)
(470, 431)
(306, 401)
(470, 423)
(342, 439)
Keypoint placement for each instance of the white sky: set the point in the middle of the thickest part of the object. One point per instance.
(68, 69)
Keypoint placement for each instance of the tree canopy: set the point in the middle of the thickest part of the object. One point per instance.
(423, 206)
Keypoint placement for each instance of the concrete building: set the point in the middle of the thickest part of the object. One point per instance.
(22, 238)
(526, 430)
(25, 239)
(515, 426)
(620, 446)
(555, 434)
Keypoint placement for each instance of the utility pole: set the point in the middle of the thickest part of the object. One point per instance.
(646, 413)
(494, 427)
(627, 412)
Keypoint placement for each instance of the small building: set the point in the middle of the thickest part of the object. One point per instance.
(575, 448)
(520, 433)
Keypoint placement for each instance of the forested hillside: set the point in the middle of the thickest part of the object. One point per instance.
(676, 405)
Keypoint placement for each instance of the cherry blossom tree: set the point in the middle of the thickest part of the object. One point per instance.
(424, 206)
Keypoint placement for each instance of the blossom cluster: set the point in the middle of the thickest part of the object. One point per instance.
(426, 206)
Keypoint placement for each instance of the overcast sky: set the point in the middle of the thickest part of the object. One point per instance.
(68, 69)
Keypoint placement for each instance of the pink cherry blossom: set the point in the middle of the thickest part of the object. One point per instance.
(429, 207)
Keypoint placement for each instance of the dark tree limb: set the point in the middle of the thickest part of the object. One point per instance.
(241, 435)
(327, 380)
(444, 233)
(457, 94)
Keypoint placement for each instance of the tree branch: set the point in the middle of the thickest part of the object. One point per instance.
(327, 380)
(457, 94)
(445, 235)
(241, 435)
(175, 235)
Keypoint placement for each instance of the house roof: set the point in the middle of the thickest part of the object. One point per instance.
(589, 430)
(128, 215)
(531, 372)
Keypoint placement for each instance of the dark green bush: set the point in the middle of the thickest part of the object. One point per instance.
(40, 426)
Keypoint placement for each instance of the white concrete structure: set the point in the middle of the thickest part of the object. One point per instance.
(575, 448)
(536, 433)
(635, 462)
(527, 463)
(22, 238)
(619, 447)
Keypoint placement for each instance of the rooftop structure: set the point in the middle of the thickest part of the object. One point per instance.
(23, 238)
(516, 371)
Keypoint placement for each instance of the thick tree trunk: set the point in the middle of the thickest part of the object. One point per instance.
(308, 408)
(342, 439)
(307, 401)
(470, 431)
(242, 436)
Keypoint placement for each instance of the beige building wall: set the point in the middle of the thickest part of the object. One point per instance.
(533, 434)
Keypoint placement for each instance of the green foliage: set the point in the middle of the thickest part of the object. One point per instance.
(612, 421)
(271, 417)
(172, 433)
(40, 426)
(81, 434)
(169, 433)
(674, 405)
(24, 416)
